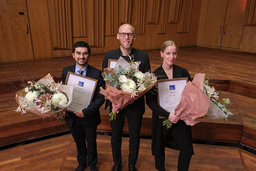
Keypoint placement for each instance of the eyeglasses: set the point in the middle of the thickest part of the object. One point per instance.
(124, 34)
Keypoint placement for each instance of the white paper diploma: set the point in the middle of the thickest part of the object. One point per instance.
(83, 91)
(169, 93)
(112, 63)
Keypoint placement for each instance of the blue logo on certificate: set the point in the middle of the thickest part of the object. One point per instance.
(171, 87)
(80, 83)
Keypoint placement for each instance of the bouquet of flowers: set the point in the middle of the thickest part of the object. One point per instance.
(125, 84)
(197, 100)
(44, 98)
(217, 107)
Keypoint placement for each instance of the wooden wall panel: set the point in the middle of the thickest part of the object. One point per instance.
(79, 18)
(95, 23)
(174, 10)
(163, 17)
(250, 18)
(233, 27)
(153, 11)
(230, 27)
(184, 24)
(60, 23)
(202, 20)
(112, 17)
(125, 11)
(40, 29)
(15, 37)
(139, 16)
(248, 35)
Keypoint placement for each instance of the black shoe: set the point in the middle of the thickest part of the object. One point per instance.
(132, 168)
(116, 167)
(80, 167)
(93, 168)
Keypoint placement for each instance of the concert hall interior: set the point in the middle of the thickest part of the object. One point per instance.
(217, 38)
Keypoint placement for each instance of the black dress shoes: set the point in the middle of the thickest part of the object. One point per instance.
(80, 167)
(132, 168)
(93, 168)
(116, 167)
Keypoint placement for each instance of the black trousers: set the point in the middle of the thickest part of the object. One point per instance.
(85, 139)
(134, 119)
(181, 135)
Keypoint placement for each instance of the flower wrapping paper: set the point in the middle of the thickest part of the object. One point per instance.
(121, 99)
(194, 102)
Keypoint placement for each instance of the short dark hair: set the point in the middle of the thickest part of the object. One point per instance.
(82, 44)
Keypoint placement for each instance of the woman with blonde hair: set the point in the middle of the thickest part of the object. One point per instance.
(179, 133)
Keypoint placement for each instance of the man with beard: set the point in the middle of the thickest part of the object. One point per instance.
(133, 112)
(83, 124)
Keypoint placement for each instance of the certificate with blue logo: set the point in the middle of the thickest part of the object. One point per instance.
(83, 91)
(169, 92)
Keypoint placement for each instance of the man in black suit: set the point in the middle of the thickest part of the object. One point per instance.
(133, 112)
(83, 124)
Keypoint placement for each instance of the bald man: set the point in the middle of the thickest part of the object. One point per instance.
(133, 112)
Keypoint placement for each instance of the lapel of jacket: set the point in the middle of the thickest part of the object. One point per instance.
(161, 74)
(73, 69)
(176, 72)
(89, 71)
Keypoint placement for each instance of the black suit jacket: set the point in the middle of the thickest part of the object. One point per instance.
(91, 113)
(138, 55)
(157, 110)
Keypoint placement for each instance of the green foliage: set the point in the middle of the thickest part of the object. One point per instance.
(167, 123)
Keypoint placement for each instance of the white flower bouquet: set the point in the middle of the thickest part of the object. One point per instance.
(44, 98)
(125, 84)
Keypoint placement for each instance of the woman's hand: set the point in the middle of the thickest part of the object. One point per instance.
(79, 114)
(173, 118)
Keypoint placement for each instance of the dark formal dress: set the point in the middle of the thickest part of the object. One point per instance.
(133, 112)
(84, 129)
(178, 136)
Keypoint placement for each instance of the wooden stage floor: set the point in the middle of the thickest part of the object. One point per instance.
(59, 154)
(232, 72)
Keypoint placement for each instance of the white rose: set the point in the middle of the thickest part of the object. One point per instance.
(140, 76)
(30, 97)
(122, 79)
(129, 86)
(142, 87)
(59, 100)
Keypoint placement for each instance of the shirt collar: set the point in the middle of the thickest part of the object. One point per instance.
(131, 54)
(84, 69)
